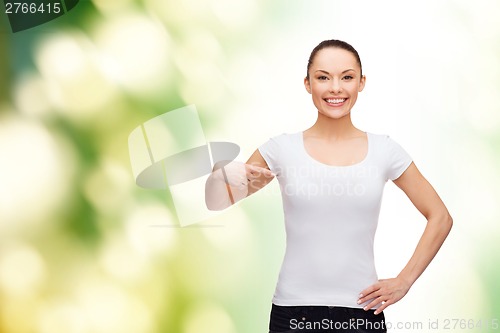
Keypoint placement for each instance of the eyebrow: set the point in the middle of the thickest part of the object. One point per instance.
(323, 71)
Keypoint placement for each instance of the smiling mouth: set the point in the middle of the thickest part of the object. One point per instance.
(335, 101)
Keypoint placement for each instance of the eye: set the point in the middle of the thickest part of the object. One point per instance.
(322, 78)
(348, 77)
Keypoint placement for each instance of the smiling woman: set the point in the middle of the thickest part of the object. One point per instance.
(331, 86)
(328, 272)
(334, 86)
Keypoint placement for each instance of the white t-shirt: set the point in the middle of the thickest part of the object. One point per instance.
(331, 214)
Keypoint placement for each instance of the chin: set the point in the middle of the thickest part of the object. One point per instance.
(335, 115)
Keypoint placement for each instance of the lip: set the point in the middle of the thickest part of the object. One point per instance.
(335, 104)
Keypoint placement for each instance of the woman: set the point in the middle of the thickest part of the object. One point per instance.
(331, 177)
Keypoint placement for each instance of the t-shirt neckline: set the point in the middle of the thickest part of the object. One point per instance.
(300, 134)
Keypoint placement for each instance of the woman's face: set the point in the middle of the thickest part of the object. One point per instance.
(334, 82)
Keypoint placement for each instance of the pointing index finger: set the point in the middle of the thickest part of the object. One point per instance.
(258, 169)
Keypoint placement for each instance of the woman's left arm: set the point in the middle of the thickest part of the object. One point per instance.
(439, 222)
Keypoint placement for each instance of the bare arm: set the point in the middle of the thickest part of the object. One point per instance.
(233, 181)
(439, 223)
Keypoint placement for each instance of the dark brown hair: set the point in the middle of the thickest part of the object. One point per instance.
(335, 44)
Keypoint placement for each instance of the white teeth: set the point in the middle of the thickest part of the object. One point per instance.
(335, 101)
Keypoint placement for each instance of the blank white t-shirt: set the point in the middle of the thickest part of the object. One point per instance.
(331, 214)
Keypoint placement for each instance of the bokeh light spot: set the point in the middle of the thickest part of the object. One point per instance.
(134, 50)
(208, 318)
(35, 172)
(22, 269)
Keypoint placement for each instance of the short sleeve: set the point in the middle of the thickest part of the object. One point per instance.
(398, 159)
(270, 151)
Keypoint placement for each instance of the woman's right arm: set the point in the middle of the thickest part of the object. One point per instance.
(231, 181)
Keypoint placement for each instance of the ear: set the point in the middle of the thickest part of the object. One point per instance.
(307, 84)
(362, 83)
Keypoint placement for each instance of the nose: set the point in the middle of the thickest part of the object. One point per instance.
(335, 86)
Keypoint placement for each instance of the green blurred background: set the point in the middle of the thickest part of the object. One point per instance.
(83, 249)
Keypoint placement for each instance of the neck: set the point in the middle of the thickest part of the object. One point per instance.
(333, 129)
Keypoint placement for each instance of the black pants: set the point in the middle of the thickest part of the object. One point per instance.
(324, 319)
